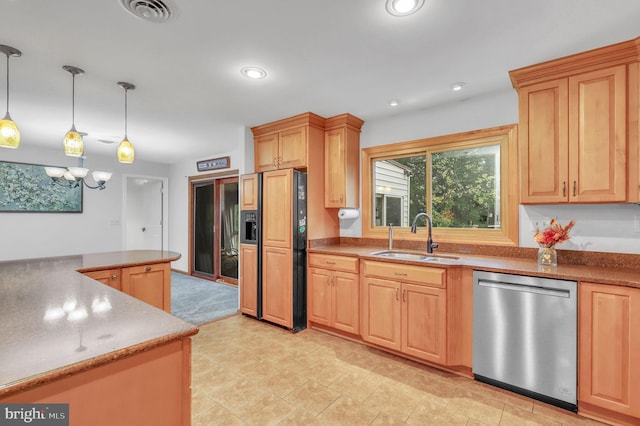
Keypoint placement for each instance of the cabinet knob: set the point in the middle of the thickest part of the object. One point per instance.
(148, 268)
(114, 277)
(397, 298)
(275, 162)
(564, 188)
(404, 294)
(574, 188)
(330, 263)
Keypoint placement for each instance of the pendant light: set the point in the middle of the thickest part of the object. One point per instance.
(9, 133)
(126, 153)
(73, 144)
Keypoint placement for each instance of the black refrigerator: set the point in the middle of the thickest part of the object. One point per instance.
(253, 230)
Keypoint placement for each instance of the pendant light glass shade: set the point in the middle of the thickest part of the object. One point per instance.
(72, 142)
(9, 133)
(126, 153)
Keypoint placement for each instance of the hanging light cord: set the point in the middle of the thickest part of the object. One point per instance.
(7, 83)
(125, 113)
(73, 101)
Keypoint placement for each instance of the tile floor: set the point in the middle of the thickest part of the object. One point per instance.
(245, 372)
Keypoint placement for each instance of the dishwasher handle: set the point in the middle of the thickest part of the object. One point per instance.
(524, 288)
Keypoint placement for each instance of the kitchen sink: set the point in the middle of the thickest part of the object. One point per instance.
(412, 255)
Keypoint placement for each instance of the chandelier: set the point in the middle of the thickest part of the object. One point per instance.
(72, 177)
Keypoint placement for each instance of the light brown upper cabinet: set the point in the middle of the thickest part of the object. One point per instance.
(578, 130)
(249, 192)
(284, 144)
(342, 159)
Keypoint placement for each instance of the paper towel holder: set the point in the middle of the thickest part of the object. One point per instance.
(348, 213)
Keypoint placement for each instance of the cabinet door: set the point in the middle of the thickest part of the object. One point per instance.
(346, 315)
(277, 305)
(110, 277)
(266, 152)
(319, 284)
(424, 322)
(335, 174)
(249, 279)
(149, 283)
(276, 208)
(381, 312)
(609, 344)
(598, 135)
(249, 192)
(544, 142)
(292, 148)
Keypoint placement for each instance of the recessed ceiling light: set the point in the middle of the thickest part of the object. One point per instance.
(253, 72)
(403, 7)
(456, 87)
(394, 102)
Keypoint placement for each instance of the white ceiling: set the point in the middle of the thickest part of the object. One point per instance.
(325, 56)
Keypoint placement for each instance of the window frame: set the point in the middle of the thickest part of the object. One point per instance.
(505, 136)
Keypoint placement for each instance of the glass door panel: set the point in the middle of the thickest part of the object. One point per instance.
(203, 229)
(229, 229)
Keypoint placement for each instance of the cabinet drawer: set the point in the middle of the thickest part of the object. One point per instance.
(154, 267)
(336, 263)
(435, 277)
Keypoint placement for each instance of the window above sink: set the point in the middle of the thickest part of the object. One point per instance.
(467, 182)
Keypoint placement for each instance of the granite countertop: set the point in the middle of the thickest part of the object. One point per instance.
(56, 321)
(599, 274)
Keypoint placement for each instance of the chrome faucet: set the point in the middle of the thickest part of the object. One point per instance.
(390, 236)
(430, 244)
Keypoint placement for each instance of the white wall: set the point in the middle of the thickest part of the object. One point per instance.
(606, 228)
(97, 229)
(179, 189)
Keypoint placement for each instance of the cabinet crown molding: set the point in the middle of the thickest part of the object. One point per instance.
(616, 54)
(305, 119)
(344, 120)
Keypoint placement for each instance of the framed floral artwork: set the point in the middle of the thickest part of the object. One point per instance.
(26, 188)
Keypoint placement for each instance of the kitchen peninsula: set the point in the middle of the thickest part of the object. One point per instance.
(67, 338)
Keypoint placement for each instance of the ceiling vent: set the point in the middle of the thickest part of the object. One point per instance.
(156, 11)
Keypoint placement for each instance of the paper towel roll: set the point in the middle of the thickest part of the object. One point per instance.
(348, 213)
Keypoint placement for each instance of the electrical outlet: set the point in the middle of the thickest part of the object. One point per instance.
(115, 222)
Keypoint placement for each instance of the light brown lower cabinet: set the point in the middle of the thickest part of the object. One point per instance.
(110, 277)
(249, 279)
(404, 308)
(277, 283)
(149, 283)
(333, 292)
(609, 347)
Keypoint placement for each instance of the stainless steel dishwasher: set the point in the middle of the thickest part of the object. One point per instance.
(525, 335)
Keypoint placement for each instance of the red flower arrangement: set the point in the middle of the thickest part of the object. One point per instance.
(554, 234)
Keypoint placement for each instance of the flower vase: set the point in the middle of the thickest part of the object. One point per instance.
(547, 256)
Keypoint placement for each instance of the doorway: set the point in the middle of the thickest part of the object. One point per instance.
(214, 229)
(144, 213)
